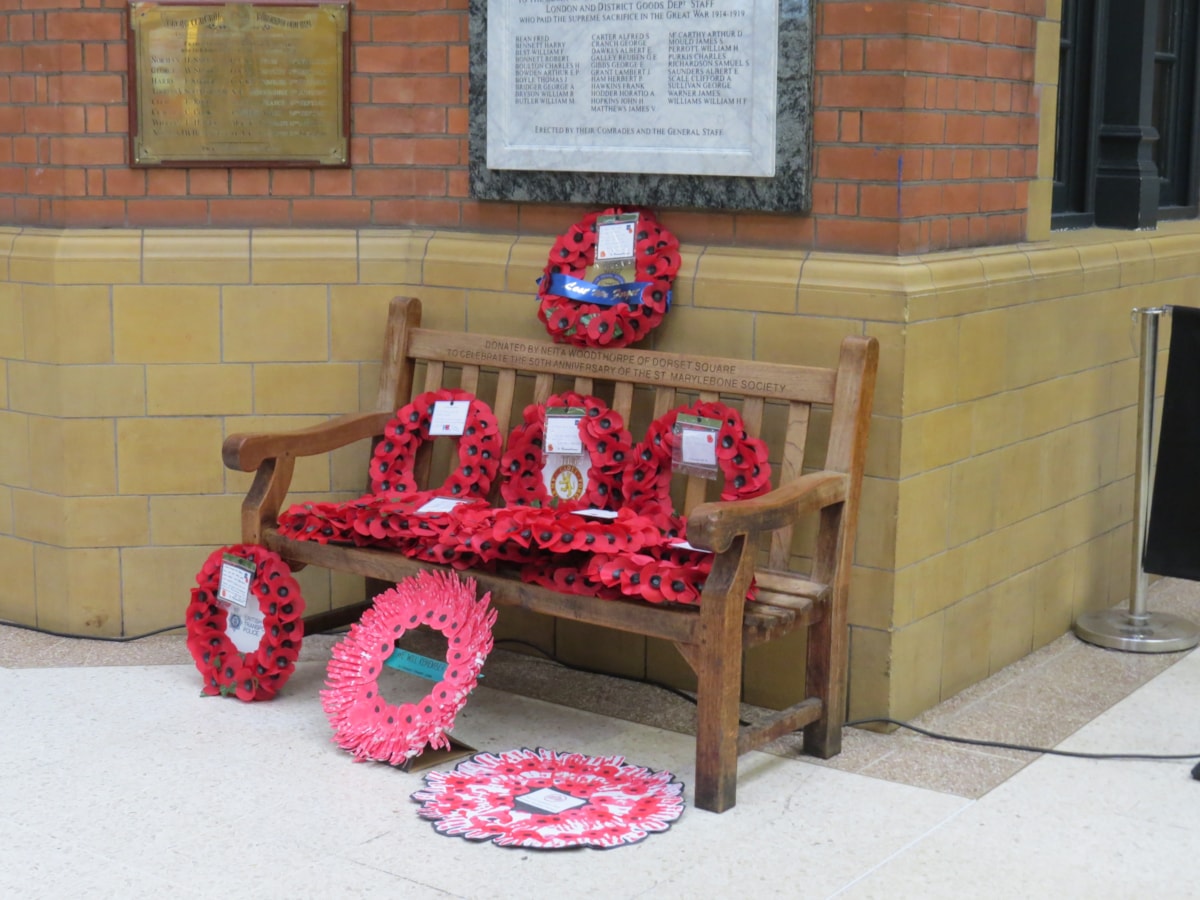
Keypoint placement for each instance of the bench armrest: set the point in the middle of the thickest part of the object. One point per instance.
(713, 526)
(246, 452)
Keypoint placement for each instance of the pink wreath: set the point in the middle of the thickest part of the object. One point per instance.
(549, 800)
(363, 721)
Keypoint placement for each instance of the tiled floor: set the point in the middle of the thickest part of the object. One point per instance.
(120, 781)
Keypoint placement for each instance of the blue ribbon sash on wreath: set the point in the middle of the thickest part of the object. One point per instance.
(574, 288)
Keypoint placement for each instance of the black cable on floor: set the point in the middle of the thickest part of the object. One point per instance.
(89, 637)
(551, 658)
(977, 742)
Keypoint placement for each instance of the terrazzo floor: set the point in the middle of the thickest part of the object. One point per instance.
(120, 781)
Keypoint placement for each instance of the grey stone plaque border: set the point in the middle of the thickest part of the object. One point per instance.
(790, 190)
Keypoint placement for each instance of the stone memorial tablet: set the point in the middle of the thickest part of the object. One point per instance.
(704, 105)
(683, 87)
(238, 83)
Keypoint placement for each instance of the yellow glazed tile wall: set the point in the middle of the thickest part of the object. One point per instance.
(996, 501)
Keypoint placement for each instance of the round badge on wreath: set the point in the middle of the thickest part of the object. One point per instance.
(608, 280)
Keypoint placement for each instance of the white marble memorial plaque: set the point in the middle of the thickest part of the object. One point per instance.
(679, 87)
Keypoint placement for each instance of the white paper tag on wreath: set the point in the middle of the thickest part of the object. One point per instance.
(695, 450)
(236, 574)
(565, 475)
(549, 800)
(592, 513)
(449, 418)
(699, 447)
(244, 627)
(438, 505)
(562, 430)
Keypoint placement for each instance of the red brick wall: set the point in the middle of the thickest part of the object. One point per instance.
(925, 132)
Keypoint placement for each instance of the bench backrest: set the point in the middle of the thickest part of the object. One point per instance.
(642, 385)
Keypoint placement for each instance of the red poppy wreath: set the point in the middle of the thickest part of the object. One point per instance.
(478, 446)
(741, 459)
(363, 721)
(577, 311)
(384, 517)
(549, 800)
(272, 613)
(603, 439)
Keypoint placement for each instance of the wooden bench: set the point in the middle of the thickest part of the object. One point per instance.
(751, 538)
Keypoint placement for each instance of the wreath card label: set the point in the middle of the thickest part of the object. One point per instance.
(548, 800)
(449, 418)
(695, 451)
(562, 430)
(236, 574)
(615, 250)
(438, 505)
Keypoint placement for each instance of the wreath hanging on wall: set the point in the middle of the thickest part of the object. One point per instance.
(363, 721)
(580, 312)
(548, 800)
(213, 623)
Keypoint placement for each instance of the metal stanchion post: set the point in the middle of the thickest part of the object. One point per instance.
(1136, 629)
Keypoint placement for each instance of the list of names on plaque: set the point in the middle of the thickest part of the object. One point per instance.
(239, 82)
(666, 86)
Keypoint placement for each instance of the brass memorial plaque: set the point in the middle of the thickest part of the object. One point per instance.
(239, 84)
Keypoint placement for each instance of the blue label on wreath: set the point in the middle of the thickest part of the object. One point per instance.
(602, 295)
(415, 664)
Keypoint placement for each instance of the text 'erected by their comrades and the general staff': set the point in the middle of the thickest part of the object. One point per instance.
(631, 364)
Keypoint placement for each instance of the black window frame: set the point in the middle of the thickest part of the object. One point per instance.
(1080, 92)
(1177, 139)
(1109, 126)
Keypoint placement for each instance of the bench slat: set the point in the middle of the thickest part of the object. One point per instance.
(623, 400)
(434, 373)
(794, 442)
(543, 386)
(664, 401)
(470, 379)
(680, 370)
(506, 386)
(752, 415)
(584, 386)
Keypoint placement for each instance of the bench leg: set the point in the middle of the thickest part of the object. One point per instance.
(826, 679)
(718, 688)
(717, 660)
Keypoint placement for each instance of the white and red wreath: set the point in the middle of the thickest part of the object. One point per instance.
(548, 800)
